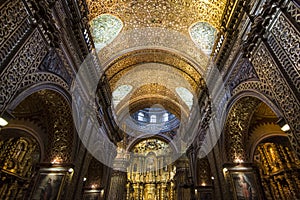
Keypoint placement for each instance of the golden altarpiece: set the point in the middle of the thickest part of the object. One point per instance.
(148, 175)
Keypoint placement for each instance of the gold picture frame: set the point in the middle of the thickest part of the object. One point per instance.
(48, 185)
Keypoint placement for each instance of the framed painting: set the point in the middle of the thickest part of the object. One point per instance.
(245, 183)
(245, 186)
(48, 186)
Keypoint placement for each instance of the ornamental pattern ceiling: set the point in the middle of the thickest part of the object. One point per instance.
(150, 80)
(168, 62)
(158, 49)
(177, 15)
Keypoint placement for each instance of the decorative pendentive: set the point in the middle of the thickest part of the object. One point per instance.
(27, 60)
(268, 72)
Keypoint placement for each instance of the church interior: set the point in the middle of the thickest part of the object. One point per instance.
(150, 99)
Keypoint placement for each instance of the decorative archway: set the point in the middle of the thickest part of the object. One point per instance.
(237, 133)
(55, 117)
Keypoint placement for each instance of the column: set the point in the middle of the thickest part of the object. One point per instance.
(118, 182)
(183, 186)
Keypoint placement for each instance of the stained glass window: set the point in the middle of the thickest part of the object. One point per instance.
(186, 96)
(203, 35)
(153, 119)
(141, 116)
(120, 93)
(105, 28)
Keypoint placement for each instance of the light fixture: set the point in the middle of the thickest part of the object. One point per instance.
(285, 128)
(70, 170)
(5, 118)
(56, 160)
(212, 178)
(84, 179)
(3, 122)
(283, 125)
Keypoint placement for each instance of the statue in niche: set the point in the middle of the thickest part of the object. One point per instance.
(150, 163)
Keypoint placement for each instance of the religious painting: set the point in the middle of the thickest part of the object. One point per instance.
(48, 186)
(245, 185)
(243, 180)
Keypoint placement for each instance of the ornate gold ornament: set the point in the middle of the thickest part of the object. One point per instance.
(171, 14)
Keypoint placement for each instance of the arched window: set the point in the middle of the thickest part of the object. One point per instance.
(153, 119)
(141, 116)
(165, 117)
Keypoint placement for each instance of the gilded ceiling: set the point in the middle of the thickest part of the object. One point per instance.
(177, 15)
(151, 82)
(155, 51)
(171, 62)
